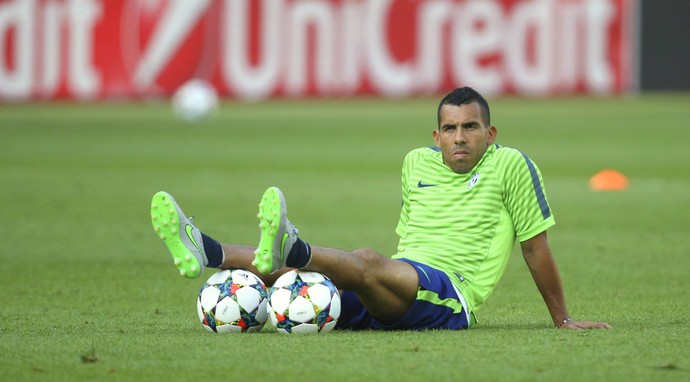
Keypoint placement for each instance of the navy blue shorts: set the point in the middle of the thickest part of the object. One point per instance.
(439, 305)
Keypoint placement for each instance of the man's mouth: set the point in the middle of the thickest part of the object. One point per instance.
(459, 154)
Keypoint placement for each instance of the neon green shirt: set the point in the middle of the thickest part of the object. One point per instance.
(466, 224)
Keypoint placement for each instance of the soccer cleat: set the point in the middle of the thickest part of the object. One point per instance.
(277, 233)
(179, 235)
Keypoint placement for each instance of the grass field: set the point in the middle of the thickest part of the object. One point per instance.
(88, 292)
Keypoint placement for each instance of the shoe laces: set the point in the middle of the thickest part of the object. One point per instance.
(294, 229)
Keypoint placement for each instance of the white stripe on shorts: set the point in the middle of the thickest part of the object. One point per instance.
(464, 304)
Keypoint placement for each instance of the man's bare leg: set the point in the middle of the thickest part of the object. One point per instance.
(386, 287)
(241, 256)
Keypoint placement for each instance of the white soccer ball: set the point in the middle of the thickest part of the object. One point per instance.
(195, 100)
(303, 302)
(232, 301)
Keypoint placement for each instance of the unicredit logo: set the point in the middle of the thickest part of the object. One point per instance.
(255, 49)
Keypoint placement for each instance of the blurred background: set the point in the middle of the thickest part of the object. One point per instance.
(260, 49)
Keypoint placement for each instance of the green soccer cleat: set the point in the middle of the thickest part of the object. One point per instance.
(179, 235)
(277, 233)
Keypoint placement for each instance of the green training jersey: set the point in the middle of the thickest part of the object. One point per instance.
(466, 224)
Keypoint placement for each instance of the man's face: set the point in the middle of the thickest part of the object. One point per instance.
(462, 136)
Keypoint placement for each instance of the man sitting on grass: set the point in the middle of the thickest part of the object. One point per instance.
(465, 201)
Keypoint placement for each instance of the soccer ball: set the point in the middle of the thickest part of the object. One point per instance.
(232, 301)
(303, 302)
(195, 100)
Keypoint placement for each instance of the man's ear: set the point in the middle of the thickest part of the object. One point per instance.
(492, 135)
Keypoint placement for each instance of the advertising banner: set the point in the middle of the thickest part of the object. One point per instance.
(257, 49)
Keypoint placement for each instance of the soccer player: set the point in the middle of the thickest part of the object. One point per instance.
(465, 202)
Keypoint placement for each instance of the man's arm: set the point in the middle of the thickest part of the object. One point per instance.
(541, 264)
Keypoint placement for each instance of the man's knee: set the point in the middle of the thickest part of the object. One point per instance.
(372, 265)
(387, 287)
(368, 256)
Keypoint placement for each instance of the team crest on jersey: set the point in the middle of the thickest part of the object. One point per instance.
(473, 181)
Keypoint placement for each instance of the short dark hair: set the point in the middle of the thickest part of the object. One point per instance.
(464, 96)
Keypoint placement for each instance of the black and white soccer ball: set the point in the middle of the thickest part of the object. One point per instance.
(232, 301)
(303, 302)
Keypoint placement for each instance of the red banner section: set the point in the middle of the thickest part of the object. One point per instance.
(255, 49)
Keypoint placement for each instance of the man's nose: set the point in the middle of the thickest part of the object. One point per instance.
(459, 136)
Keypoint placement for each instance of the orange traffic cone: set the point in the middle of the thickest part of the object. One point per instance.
(608, 180)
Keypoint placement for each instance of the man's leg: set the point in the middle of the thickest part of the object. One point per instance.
(386, 287)
(241, 257)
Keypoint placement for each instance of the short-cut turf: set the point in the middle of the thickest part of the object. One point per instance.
(88, 292)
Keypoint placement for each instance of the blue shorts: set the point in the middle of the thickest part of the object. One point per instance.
(439, 305)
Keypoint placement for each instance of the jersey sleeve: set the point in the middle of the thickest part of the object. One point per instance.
(525, 196)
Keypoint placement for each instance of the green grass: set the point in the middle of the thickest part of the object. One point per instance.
(87, 291)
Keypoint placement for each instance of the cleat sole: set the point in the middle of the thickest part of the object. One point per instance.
(269, 218)
(161, 218)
